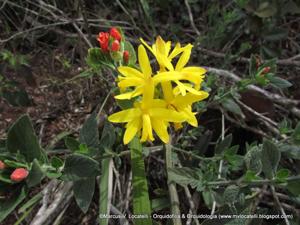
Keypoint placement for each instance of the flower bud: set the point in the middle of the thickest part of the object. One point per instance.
(103, 39)
(115, 33)
(2, 165)
(266, 70)
(115, 46)
(19, 174)
(126, 56)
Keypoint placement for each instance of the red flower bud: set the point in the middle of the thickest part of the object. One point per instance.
(126, 56)
(19, 174)
(115, 46)
(103, 39)
(115, 33)
(266, 70)
(2, 165)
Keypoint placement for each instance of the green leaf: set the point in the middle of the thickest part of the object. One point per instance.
(158, 204)
(56, 162)
(72, 143)
(141, 202)
(294, 187)
(17, 98)
(275, 34)
(230, 105)
(96, 59)
(270, 157)
(36, 174)
(208, 198)
(186, 176)
(89, 134)
(14, 164)
(279, 82)
(8, 205)
(223, 144)
(296, 134)
(266, 9)
(231, 194)
(282, 174)
(21, 137)
(105, 186)
(79, 167)
(53, 174)
(34, 200)
(108, 136)
(83, 193)
(291, 151)
(253, 160)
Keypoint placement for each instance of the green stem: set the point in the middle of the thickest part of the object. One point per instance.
(141, 202)
(172, 188)
(253, 182)
(189, 153)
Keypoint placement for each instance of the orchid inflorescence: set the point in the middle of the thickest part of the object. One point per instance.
(111, 42)
(162, 97)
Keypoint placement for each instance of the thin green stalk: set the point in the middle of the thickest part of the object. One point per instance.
(105, 189)
(253, 182)
(141, 202)
(172, 188)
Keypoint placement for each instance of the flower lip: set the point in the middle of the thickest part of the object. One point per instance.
(19, 174)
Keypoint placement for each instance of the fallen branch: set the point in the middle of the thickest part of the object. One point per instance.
(290, 103)
(284, 62)
(61, 198)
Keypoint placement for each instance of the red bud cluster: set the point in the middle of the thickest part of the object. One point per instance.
(111, 42)
(19, 174)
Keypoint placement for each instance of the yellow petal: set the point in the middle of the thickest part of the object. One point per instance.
(166, 115)
(125, 115)
(130, 82)
(127, 95)
(194, 69)
(168, 47)
(176, 51)
(159, 103)
(194, 91)
(144, 61)
(138, 91)
(147, 128)
(160, 44)
(191, 118)
(147, 46)
(181, 87)
(167, 90)
(167, 76)
(182, 101)
(129, 72)
(131, 130)
(160, 129)
(184, 58)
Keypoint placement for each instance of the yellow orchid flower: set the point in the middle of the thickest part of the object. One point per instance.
(146, 117)
(183, 105)
(148, 113)
(134, 78)
(161, 50)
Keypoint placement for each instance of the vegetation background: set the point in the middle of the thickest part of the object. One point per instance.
(44, 73)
